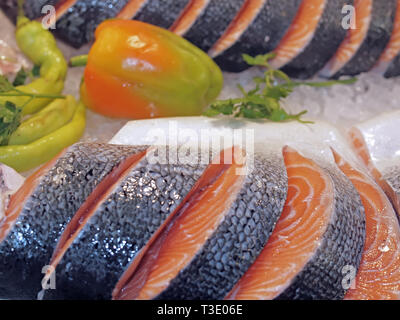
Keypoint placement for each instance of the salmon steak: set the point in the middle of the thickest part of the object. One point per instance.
(310, 215)
(379, 272)
(302, 259)
(377, 144)
(54, 193)
(331, 38)
(115, 204)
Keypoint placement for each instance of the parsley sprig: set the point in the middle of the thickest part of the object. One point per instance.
(10, 114)
(10, 119)
(264, 101)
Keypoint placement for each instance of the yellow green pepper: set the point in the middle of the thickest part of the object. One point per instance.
(58, 113)
(40, 46)
(137, 70)
(28, 156)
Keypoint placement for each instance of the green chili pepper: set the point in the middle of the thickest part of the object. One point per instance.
(29, 156)
(52, 117)
(39, 45)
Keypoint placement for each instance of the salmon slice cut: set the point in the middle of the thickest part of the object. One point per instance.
(62, 7)
(365, 43)
(393, 48)
(88, 208)
(162, 13)
(325, 41)
(77, 23)
(43, 207)
(361, 149)
(378, 277)
(33, 9)
(256, 29)
(394, 68)
(131, 8)
(300, 33)
(214, 239)
(239, 24)
(354, 39)
(303, 241)
(189, 16)
(106, 235)
(18, 200)
(203, 23)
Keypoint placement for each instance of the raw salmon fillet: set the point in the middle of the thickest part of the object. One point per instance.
(378, 277)
(354, 39)
(291, 264)
(300, 32)
(361, 148)
(214, 238)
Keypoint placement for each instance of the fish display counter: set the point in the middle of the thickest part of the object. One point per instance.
(200, 150)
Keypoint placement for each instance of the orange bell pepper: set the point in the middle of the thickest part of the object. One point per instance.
(136, 70)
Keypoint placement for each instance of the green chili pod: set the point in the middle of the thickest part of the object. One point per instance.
(26, 157)
(55, 115)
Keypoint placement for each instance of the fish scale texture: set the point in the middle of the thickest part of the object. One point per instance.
(162, 13)
(32, 8)
(342, 245)
(31, 242)
(78, 24)
(326, 40)
(394, 68)
(378, 36)
(392, 176)
(212, 22)
(120, 227)
(239, 238)
(263, 34)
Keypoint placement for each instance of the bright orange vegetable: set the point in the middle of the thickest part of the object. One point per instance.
(136, 70)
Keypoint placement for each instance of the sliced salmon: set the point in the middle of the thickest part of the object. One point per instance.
(326, 39)
(189, 16)
(78, 19)
(213, 239)
(300, 33)
(378, 277)
(131, 8)
(116, 221)
(162, 13)
(41, 209)
(393, 48)
(364, 43)
(392, 190)
(62, 7)
(256, 29)
(317, 235)
(204, 21)
(32, 8)
(394, 68)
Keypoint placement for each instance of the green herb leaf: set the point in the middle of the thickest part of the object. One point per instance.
(324, 83)
(10, 119)
(260, 60)
(264, 101)
(35, 71)
(5, 85)
(20, 78)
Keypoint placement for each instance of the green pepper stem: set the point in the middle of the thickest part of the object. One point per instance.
(21, 8)
(78, 61)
